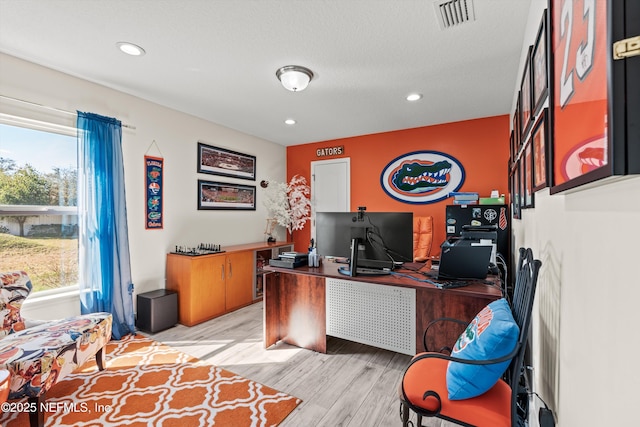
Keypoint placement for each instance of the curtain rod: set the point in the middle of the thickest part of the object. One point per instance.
(55, 109)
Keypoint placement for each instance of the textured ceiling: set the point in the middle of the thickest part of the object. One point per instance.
(216, 59)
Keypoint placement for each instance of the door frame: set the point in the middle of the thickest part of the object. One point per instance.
(313, 165)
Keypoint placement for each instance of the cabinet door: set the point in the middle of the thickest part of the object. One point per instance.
(239, 285)
(208, 288)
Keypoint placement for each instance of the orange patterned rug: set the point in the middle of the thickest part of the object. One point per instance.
(147, 383)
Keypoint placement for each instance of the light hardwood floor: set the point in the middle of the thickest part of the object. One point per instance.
(352, 385)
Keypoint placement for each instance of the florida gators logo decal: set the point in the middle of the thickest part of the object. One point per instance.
(422, 177)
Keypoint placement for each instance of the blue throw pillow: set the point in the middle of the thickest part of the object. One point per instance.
(491, 334)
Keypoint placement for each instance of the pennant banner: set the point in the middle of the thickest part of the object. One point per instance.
(153, 167)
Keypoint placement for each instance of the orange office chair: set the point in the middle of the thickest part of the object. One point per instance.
(424, 387)
(422, 237)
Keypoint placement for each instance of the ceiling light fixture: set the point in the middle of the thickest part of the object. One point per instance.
(414, 97)
(130, 48)
(294, 77)
(290, 122)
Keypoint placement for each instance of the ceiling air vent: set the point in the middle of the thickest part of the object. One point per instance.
(454, 12)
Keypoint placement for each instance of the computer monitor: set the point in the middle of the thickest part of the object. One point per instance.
(385, 237)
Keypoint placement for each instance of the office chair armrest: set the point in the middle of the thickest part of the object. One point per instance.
(439, 320)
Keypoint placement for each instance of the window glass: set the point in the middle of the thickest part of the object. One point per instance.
(38, 205)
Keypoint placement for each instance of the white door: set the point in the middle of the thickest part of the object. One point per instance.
(330, 187)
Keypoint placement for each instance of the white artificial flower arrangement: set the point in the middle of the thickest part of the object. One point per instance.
(289, 204)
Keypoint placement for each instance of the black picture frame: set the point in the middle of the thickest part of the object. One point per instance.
(516, 129)
(224, 162)
(515, 192)
(512, 151)
(607, 144)
(526, 103)
(527, 176)
(541, 146)
(540, 67)
(213, 195)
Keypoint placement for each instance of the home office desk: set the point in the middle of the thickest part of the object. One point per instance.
(304, 305)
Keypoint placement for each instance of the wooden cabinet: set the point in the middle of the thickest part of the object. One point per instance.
(211, 285)
(199, 282)
(239, 283)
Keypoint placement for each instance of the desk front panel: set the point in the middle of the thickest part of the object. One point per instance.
(295, 305)
(295, 310)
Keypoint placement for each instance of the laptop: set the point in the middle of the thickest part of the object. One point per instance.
(464, 262)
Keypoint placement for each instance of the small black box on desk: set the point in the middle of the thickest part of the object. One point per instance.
(290, 260)
(157, 310)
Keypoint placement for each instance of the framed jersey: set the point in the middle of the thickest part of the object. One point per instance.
(592, 124)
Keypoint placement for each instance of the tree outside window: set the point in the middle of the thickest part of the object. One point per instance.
(38, 206)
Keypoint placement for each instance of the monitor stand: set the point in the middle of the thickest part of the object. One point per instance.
(353, 259)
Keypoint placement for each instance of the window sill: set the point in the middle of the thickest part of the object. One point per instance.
(52, 295)
(54, 304)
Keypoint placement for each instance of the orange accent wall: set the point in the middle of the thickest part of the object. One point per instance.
(480, 145)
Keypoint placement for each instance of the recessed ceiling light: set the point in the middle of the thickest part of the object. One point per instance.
(130, 48)
(414, 97)
(290, 122)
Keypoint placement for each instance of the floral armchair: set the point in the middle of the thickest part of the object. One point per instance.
(39, 356)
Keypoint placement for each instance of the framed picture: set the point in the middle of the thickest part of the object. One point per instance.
(515, 191)
(516, 128)
(223, 195)
(527, 160)
(541, 144)
(539, 67)
(594, 101)
(512, 152)
(525, 97)
(223, 162)
(522, 182)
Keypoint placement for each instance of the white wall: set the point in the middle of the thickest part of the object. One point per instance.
(584, 324)
(176, 135)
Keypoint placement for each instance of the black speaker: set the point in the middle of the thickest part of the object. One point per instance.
(157, 310)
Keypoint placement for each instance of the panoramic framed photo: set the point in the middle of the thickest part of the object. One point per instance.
(225, 196)
(224, 162)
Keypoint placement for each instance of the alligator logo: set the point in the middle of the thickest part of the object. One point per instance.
(422, 177)
(419, 178)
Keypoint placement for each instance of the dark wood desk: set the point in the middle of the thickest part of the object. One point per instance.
(295, 305)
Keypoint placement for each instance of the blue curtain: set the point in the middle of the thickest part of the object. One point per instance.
(105, 267)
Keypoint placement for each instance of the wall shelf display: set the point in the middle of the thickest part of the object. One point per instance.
(595, 102)
(223, 195)
(223, 162)
(540, 144)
